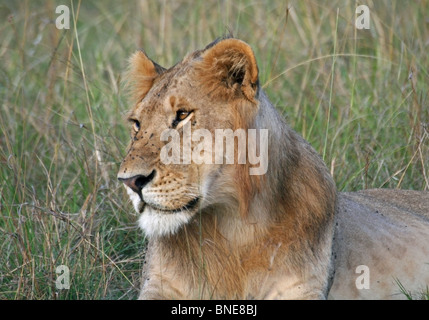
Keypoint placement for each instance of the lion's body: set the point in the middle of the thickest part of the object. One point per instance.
(216, 232)
(388, 232)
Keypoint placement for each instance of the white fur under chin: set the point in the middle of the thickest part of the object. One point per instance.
(157, 224)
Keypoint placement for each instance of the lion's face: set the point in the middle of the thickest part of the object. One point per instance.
(171, 170)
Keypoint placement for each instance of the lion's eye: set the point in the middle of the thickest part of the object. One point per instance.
(180, 116)
(136, 125)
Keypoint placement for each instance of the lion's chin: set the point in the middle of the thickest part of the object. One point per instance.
(158, 223)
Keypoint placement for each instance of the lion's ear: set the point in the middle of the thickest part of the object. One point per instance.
(141, 74)
(230, 64)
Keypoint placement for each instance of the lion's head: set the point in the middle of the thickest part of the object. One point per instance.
(212, 160)
(211, 91)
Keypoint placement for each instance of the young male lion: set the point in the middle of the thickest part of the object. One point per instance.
(216, 231)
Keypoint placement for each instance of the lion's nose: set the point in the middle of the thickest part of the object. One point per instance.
(138, 182)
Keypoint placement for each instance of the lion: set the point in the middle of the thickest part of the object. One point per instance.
(215, 231)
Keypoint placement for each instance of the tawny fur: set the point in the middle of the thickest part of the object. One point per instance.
(283, 235)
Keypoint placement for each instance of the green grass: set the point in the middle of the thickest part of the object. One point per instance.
(359, 96)
(421, 295)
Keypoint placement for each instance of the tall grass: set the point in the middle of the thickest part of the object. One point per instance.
(423, 294)
(359, 96)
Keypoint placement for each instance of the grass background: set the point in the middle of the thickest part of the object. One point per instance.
(359, 96)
